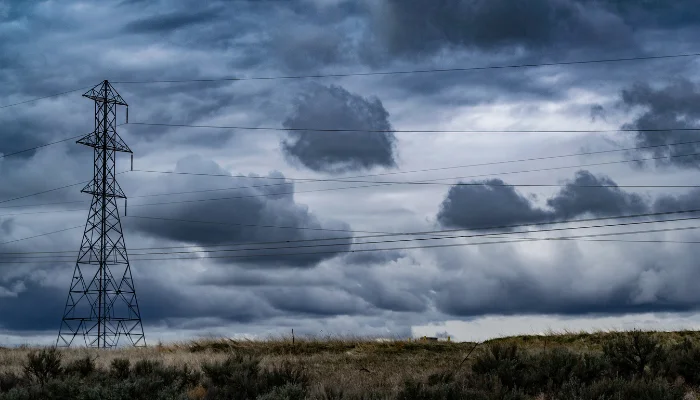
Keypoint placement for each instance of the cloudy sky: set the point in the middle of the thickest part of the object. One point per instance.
(469, 292)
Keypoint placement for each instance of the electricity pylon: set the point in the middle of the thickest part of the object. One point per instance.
(99, 307)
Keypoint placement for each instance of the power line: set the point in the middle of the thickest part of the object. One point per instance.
(329, 130)
(47, 144)
(42, 192)
(520, 240)
(388, 234)
(443, 231)
(305, 180)
(531, 159)
(461, 166)
(471, 236)
(500, 236)
(420, 71)
(40, 146)
(259, 226)
(435, 232)
(385, 183)
(42, 98)
(433, 182)
(396, 248)
(41, 212)
(40, 235)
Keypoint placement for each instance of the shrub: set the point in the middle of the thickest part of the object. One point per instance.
(620, 389)
(590, 368)
(44, 365)
(285, 374)
(120, 368)
(631, 353)
(82, 367)
(330, 393)
(240, 377)
(441, 378)
(235, 378)
(146, 367)
(683, 360)
(502, 361)
(455, 391)
(419, 391)
(548, 371)
(290, 391)
(51, 389)
(8, 381)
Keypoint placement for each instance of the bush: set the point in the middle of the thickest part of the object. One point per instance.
(441, 378)
(153, 374)
(240, 377)
(619, 389)
(502, 361)
(549, 371)
(286, 374)
(330, 393)
(289, 391)
(8, 381)
(146, 367)
(420, 391)
(50, 389)
(630, 354)
(455, 391)
(120, 368)
(235, 378)
(683, 360)
(44, 365)
(82, 367)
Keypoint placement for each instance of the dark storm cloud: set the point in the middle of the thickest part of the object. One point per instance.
(579, 197)
(335, 152)
(24, 132)
(38, 307)
(170, 21)
(676, 105)
(577, 284)
(424, 26)
(653, 13)
(533, 294)
(266, 213)
(35, 308)
(165, 303)
(681, 202)
(491, 204)
(386, 294)
(315, 301)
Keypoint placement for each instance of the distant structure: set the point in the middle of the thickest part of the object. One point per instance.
(102, 305)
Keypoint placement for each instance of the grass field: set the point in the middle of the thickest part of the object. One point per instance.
(604, 365)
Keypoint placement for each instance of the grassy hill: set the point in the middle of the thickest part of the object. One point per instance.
(603, 365)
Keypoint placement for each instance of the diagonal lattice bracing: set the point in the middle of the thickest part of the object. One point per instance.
(101, 307)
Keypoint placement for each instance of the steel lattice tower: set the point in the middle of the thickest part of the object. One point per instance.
(100, 307)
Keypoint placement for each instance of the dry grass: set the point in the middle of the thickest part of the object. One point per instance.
(354, 365)
(351, 364)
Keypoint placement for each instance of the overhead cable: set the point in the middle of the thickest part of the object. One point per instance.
(330, 130)
(415, 71)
